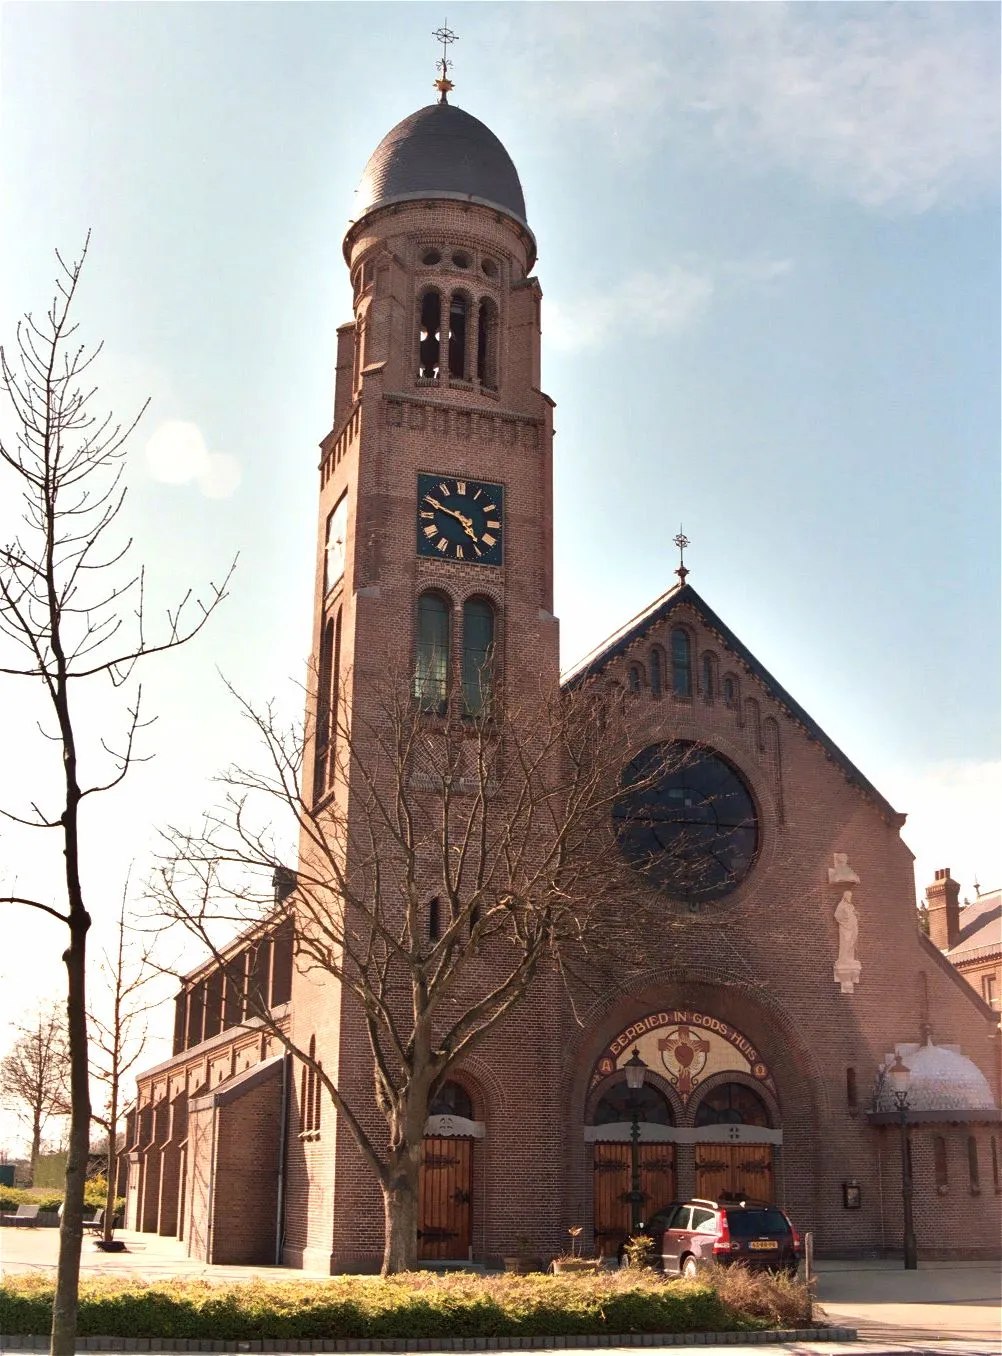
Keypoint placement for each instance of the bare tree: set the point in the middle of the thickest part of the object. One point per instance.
(72, 615)
(34, 1076)
(446, 858)
(117, 1037)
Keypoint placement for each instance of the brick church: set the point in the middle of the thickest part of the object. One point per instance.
(764, 1046)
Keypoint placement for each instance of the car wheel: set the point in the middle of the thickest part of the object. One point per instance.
(690, 1267)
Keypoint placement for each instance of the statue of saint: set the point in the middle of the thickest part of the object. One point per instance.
(848, 929)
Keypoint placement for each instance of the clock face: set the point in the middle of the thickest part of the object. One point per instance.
(460, 519)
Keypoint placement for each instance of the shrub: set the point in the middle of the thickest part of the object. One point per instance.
(780, 1300)
(48, 1199)
(418, 1305)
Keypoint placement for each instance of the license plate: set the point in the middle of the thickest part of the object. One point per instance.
(763, 1244)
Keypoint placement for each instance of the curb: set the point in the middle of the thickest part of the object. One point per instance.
(759, 1338)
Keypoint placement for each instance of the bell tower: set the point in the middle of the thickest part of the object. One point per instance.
(434, 535)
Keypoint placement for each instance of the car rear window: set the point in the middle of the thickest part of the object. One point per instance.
(749, 1223)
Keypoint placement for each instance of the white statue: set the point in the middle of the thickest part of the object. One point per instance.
(847, 966)
(841, 873)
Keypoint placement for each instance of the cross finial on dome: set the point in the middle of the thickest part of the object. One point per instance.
(443, 84)
(681, 541)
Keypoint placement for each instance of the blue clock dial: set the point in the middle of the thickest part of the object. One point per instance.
(460, 519)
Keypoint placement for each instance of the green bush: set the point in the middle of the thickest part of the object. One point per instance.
(48, 1199)
(417, 1305)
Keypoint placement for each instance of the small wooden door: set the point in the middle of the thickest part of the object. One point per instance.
(612, 1185)
(445, 1193)
(734, 1172)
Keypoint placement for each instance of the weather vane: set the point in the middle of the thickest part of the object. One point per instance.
(445, 36)
(681, 541)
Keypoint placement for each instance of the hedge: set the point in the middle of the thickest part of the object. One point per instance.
(49, 1200)
(416, 1305)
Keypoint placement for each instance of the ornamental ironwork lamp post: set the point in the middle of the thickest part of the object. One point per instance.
(636, 1071)
(900, 1078)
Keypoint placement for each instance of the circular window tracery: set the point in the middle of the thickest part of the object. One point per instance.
(686, 821)
(431, 257)
(461, 259)
(489, 267)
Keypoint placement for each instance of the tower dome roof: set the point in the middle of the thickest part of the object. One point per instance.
(942, 1079)
(441, 152)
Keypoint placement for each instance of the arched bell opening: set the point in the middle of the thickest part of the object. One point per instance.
(629, 1131)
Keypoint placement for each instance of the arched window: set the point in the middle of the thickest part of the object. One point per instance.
(451, 1099)
(458, 312)
(973, 1166)
(434, 919)
(478, 655)
(429, 341)
(322, 737)
(617, 1104)
(656, 671)
(995, 1165)
(681, 663)
(709, 683)
(851, 1094)
(732, 1104)
(487, 340)
(730, 691)
(431, 662)
(633, 679)
(939, 1163)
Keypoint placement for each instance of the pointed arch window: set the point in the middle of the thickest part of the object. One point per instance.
(973, 1166)
(431, 662)
(434, 919)
(459, 308)
(487, 342)
(730, 691)
(633, 680)
(709, 678)
(429, 335)
(681, 663)
(939, 1162)
(656, 672)
(478, 655)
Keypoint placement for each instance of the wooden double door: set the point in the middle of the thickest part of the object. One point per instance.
(612, 1173)
(734, 1172)
(445, 1214)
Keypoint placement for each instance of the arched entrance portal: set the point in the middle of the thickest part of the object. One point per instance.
(445, 1188)
(613, 1159)
(737, 1170)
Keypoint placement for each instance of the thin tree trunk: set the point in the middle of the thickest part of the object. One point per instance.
(64, 1308)
(400, 1211)
(36, 1147)
(112, 1165)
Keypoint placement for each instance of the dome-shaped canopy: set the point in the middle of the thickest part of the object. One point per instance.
(440, 152)
(942, 1079)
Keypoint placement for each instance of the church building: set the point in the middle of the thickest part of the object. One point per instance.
(765, 1045)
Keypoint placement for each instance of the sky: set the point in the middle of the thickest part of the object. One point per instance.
(769, 252)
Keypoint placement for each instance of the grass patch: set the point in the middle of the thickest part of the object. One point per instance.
(416, 1305)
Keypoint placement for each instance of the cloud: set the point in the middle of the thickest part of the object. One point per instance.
(893, 106)
(176, 453)
(651, 303)
(648, 302)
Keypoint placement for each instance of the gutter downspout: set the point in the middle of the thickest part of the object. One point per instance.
(210, 1221)
(283, 1135)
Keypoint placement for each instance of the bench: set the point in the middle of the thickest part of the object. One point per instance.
(25, 1215)
(97, 1223)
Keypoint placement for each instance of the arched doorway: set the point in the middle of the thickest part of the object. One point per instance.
(612, 1124)
(735, 1170)
(445, 1186)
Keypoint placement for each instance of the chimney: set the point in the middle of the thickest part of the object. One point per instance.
(942, 898)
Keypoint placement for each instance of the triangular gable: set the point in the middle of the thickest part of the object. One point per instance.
(684, 594)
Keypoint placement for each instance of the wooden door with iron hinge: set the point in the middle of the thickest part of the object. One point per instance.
(445, 1194)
